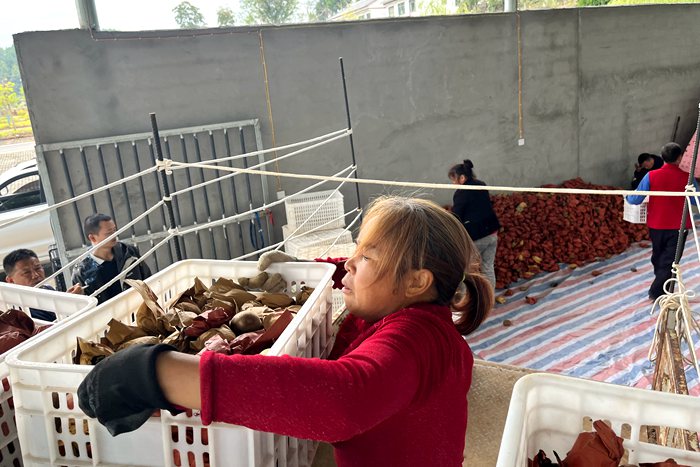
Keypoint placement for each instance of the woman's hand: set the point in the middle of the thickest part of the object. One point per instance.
(123, 390)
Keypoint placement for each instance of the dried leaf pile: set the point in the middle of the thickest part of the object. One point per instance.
(226, 318)
(599, 448)
(15, 328)
(542, 231)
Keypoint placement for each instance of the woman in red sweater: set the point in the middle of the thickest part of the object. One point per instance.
(395, 389)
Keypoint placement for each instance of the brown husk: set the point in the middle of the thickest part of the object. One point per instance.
(89, 353)
(275, 300)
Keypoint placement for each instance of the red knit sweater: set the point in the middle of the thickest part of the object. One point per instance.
(396, 395)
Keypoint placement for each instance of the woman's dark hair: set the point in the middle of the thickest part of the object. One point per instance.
(466, 168)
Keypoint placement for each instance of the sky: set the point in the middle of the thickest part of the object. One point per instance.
(120, 15)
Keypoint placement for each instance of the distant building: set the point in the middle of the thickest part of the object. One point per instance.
(371, 9)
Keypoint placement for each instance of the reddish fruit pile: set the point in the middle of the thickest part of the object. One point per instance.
(540, 231)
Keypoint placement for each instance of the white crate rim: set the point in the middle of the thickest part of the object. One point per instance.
(14, 359)
(517, 415)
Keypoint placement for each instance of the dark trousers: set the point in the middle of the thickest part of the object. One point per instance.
(663, 252)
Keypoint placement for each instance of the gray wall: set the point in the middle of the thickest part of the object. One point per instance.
(600, 85)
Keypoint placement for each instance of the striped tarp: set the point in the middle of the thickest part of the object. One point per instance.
(586, 324)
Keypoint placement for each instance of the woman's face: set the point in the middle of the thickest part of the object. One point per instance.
(458, 180)
(368, 294)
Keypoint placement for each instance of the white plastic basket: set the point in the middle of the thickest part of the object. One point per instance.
(54, 431)
(319, 240)
(549, 411)
(302, 207)
(23, 298)
(635, 213)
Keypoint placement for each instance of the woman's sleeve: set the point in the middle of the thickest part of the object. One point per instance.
(312, 398)
(460, 204)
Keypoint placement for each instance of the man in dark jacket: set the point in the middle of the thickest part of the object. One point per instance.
(108, 261)
(645, 163)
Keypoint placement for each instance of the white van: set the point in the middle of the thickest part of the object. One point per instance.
(21, 193)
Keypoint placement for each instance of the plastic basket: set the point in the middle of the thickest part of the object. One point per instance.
(24, 298)
(53, 430)
(302, 207)
(635, 213)
(319, 240)
(549, 411)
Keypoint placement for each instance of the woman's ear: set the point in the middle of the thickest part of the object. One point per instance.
(419, 282)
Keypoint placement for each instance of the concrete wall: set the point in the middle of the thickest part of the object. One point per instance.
(599, 86)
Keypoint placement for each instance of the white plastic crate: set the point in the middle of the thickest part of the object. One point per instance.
(302, 207)
(54, 431)
(549, 411)
(23, 298)
(635, 213)
(318, 240)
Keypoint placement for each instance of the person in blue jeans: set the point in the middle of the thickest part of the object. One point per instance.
(473, 208)
(22, 267)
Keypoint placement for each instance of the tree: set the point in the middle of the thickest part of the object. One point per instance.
(188, 16)
(268, 11)
(225, 17)
(324, 9)
(8, 102)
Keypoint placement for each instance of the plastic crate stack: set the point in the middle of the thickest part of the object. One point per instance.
(308, 211)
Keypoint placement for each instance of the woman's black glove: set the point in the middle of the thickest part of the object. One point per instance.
(122, 390)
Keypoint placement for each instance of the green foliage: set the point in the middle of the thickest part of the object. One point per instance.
(9, 70)
(592, 2)
(646, 2)
(268, 11)
(188, 16)
(225, 17)
(324, 9)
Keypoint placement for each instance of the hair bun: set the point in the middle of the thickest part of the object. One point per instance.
(468, 164)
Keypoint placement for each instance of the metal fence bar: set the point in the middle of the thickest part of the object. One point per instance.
(189, 183)
(145, 136)
(71, 192)
(88, 178)
(233, 189)
(106, 181)
(180, 248)
(125, 190)
(224, 228)
(205, 191)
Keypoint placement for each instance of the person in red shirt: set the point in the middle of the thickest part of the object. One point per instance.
(664, 214)
(394, 391)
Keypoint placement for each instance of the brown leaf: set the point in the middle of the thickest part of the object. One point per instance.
(139, 341)
(275, 300)
(118, 332)
(89, 353)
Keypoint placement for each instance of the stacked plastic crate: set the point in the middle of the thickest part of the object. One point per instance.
(316, 228)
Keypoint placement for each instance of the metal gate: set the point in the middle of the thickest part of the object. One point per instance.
(76, 167)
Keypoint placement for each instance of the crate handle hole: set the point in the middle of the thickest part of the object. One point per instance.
(57, 423)
(54, 400)
(76, 449)
(205, 438)
(61, 448)
(176, 458)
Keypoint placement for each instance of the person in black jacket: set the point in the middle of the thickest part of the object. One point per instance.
(108, 261)
(474, 210)
(645, 163)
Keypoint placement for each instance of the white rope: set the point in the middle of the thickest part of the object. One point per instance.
(343, 132)
(439, 186)
(675, 302)
(346, 229)
(264, 207)
(78, 198)
(208, 165)
(100, 244)
(127, 270)
(319, 206)
(274, 246)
